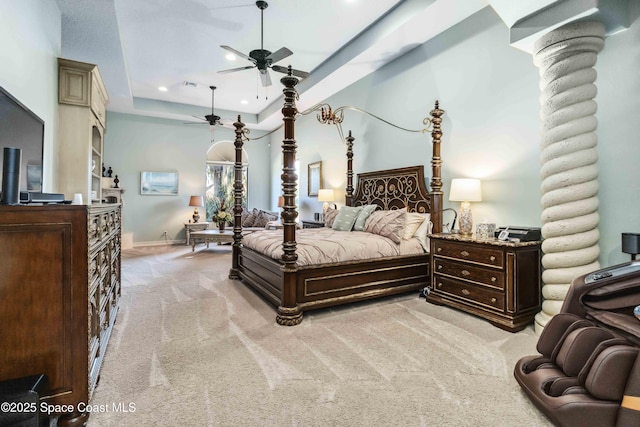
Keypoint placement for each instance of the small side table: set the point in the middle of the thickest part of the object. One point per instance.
(312, 224)
(194, 226)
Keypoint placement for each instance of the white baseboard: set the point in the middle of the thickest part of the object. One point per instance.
(158, 243)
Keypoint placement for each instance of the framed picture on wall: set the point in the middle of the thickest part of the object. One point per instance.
(159, 183)
(314, 178)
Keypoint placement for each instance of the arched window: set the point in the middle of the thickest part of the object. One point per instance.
(221, 175)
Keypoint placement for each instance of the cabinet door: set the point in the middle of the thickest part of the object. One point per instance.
(44, 294)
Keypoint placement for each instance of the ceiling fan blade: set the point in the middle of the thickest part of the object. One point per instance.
(285, 70)
(279, 54)
(232, 70)
(265, 77)
(238, 53)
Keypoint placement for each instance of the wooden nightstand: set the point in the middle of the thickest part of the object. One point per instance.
(499, 281)
(312, 224)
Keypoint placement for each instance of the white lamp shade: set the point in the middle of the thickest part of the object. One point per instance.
(465, 190)
(326, 195)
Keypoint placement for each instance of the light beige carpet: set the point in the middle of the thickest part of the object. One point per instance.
(193, 348)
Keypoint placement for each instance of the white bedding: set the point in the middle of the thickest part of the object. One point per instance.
(325, 245)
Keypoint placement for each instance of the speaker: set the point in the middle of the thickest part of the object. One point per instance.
(631, 244)
(11, 176)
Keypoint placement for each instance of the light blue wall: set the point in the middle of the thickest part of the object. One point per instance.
(136, 143)
(491, 127)
(29, 48)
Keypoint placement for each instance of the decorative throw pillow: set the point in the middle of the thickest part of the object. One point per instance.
(362, 217)
(263, 218)
(387, 223)
(329, 217)
(251, 218)
(346, 217)
(412, 222)
(422, 232)
(244, 215)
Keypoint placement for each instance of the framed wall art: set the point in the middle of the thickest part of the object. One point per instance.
(314, 178)
(159, 183)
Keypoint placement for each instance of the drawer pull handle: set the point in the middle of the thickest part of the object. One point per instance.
(464, 253)
(493, 279)
(439, 267)
(439, 285)
(493, 300)
(465, 292)
(465, 273)
(439, 249)
(492, 258)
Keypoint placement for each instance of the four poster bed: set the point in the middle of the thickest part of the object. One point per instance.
(291, 279)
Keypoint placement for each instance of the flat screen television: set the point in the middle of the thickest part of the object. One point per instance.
(21, 128)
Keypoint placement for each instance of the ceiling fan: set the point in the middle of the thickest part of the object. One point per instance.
(210, 119)
(263, 59)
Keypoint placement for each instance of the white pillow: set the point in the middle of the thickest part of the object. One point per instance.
(422, 231)
(411, 224)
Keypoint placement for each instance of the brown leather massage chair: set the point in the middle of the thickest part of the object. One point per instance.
(588, 369)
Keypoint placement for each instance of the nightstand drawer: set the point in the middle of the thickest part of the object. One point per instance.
(475, 294)
(487, 276)
(472, 253)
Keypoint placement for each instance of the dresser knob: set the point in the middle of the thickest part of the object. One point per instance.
(465, 292)
(492, 258)
(464, 254)
(493, 300)
(439, 267)
(493, 279)
(439, 249)
(465, 273)
(439, 285)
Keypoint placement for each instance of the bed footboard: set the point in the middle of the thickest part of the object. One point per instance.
(328, 285)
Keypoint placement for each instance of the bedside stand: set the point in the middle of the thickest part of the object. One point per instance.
(498, 281)
(312, 224)
(194, 226)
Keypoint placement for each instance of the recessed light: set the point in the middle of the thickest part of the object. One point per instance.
(230, 57)
(244, 102)
(162, 88)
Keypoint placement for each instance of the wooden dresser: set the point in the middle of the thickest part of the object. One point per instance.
(499, 281)
(59, 297)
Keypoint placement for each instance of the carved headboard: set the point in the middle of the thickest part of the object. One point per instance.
(394, 189)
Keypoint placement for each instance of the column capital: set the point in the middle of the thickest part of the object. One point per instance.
(528, 21)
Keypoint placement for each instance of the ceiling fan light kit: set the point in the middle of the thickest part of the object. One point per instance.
(263, 59)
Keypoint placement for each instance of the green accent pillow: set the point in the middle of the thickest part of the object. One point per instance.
(346, 217)
(362, 217)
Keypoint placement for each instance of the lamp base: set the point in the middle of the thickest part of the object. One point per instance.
(196, 215)
(465, 219)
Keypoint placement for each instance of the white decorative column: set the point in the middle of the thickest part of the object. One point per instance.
(569, 169)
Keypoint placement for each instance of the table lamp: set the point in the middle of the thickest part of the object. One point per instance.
(465, 190)
(196, 201)
(325, 195)
(281, 205)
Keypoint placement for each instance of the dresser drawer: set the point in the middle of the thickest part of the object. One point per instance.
(488, 276)
(475, 294)
(473, 253)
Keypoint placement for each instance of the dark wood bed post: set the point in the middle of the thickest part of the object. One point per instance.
(436, 169)
(237, 201)
(349, 193)
(288, 313)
